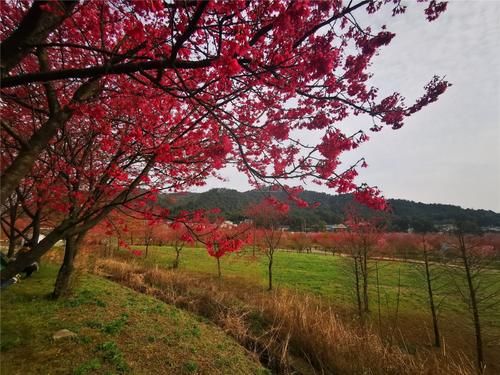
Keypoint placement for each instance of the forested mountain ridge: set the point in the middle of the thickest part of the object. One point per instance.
(402, 215)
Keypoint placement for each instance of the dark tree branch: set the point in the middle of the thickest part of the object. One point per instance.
(13, 134)
(34, 28)
(347, 10)
(189, 30)
(103, 70)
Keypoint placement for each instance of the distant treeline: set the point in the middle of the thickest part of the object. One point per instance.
(404, 214)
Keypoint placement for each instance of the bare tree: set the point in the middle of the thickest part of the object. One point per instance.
(430, 293)
(476, 282)
(431, 277)
(362, 239)
(267, 216)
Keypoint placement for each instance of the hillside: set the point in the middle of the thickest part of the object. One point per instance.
(118, 331)
(403, 214)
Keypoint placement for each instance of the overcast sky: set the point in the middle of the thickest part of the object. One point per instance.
(450, 151)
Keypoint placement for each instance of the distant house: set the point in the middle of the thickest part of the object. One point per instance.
(491, 229)
(227, 224)
(336, 227)
(446, 228)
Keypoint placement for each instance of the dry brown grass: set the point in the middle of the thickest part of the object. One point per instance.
(292, 333)
(331, 344)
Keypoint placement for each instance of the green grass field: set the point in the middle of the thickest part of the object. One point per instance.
(119, 331)
(328, 276)
(331, 278)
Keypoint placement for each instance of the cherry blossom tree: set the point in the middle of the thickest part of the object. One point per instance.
(220, 241)
(120, 99)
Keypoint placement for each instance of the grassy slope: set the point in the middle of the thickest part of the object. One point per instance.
(119, 331)
(331, 278)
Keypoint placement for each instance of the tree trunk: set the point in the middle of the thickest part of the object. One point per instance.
(26, 258)
(12, 248)
(398, 299)
(253, 249)
(378, 301)
(62, 284)
(175, 265)
(358, 291)
(473, 306)
(219, 273)
(270, 272)
(364, 272)
(12, 229)
(36, 228)
(437, 337)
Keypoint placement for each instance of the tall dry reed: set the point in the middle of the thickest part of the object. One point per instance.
(291, 332)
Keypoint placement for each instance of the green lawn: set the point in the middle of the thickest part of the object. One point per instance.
(327, 276)
(119, 331)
